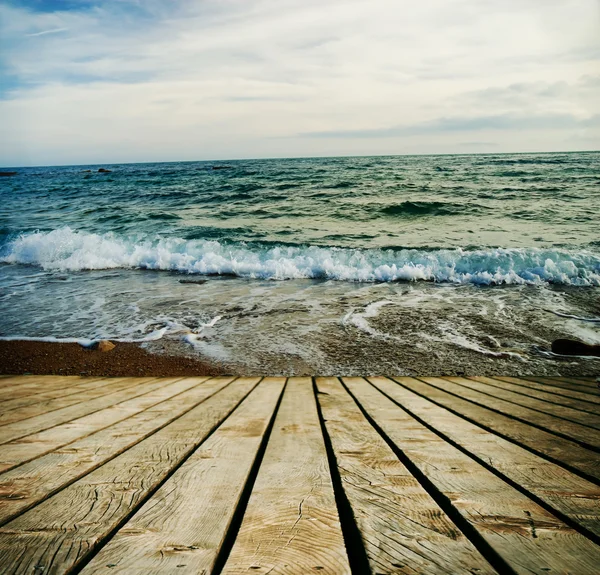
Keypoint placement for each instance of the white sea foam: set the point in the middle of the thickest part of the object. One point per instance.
(571, 316)
(65, 249)
(360, 320)
(193, 337)
(87, 342)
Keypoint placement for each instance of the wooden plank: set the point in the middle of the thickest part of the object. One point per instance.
(527, 537)
(182, 527)
(587, 381)
(402, 527)
(126, 389)
(44, 407)
(585, 436)
(543, 395)
(564, 384)
(291, 524)
(26, 386)
(30, 398)
(563, 412)
(543, 443)
(559, 392)
(568, 494)
(66, 529)
(26, 448)
(23, 380)
(31, 483)
(15, 378)
(17, 402)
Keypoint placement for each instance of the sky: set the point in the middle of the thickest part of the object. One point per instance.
(104, 81)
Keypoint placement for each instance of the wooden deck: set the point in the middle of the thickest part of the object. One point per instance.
(325, 475)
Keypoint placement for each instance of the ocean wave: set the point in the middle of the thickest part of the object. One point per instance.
(69, 250)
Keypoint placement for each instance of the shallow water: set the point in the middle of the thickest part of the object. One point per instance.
(439, 264)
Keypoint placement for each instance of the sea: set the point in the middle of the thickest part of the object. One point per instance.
(410, 265)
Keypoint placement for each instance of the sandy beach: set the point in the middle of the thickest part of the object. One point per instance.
(168, 358)
(125, 360)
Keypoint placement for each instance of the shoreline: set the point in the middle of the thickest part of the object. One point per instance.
(130, 359)
(20, 357)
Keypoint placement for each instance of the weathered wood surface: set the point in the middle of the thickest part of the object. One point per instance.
(585, 436)
(30, 386)
(560, 393)
(589, 381)
(572, 414)
(402, 527)
(224, 475)
(541, 478)
(31, 483)
(183, 525)
(38, 397)
(108, 395)
(560, 450)
(545, 397)
(46, 407)
(46, 381)
(527, 538)
(28, 447)
(589, 387)
(66, 528)
(291, 524)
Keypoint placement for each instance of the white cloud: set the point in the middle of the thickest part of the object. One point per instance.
(44, 32)
(208, 79)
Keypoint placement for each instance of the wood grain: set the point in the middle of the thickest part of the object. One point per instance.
(528, 538)
(402, 527)
(31, 483)
(588, 388)
(565, 492)
(586, 436)
(544, 396)
(291, 524)
(43, 396)
(540, 442)
(560, 393)
(587, 381)
(496, 390)
(30, 385)
(111, 394)
(181, 528)
(26, 448)
(65, 529)
(46, 407)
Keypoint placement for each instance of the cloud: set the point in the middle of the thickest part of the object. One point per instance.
(44, 32)
(468, 124)
(130, 80)
(475, 145)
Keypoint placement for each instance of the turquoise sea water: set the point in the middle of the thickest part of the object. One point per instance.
(454, 248)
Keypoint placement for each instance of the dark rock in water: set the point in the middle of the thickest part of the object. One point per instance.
(8, 173)
(200, 282)
(86, 171)
(104, 171)
(574, 347)
(222, 167)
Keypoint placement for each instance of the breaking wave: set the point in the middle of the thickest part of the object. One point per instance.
(66, 249)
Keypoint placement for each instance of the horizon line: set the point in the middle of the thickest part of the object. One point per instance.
(214, 160)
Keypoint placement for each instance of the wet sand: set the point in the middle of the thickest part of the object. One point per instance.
(125, 360)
